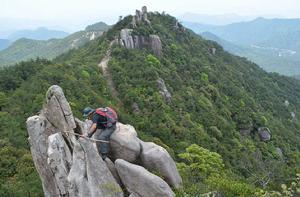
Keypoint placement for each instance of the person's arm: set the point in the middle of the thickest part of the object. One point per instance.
(92, 130)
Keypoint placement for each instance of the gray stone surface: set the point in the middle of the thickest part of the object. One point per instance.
(140, 16)
(38, 140)
(113, 170)
(126, 38)
(163, 90)
(58, 109)
(264, 134)
(125, 144)
(59, 160)
(156, 158)
(141, 182)
(155, 45)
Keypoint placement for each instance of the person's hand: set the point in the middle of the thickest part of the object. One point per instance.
(84, 135)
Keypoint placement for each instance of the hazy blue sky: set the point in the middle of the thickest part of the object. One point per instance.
(72, 14)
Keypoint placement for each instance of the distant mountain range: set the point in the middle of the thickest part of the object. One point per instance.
(222, 19)
(274, 44)
(4, 43)
(41, 33)
(24, 48)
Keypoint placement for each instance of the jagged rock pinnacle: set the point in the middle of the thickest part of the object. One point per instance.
(72, 166)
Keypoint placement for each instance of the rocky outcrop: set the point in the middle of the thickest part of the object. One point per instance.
(141, 182)
(126, 39)
(140, 17)
(155, 44)
(163, 90)
(264, 134)
(130, 41)
(125, 144)
(156, 158)
(212, 51)
(67, 166)
(71, 166)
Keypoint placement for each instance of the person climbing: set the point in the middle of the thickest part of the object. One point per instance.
(103, 119)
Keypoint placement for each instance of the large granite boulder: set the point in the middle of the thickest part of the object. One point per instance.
(125, 144)
(156, 158)
(141, 182)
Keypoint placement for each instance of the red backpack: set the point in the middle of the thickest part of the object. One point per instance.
(110, 115)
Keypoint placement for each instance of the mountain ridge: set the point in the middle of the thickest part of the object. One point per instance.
(25, 49)
(41, 33)
(271, 43)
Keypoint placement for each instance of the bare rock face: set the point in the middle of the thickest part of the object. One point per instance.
(113, 170)
(59, 160)
(125, 144)
(130, 41)
(156, 158)
(163, 90)
(37, 127)
(155, 44)
(59, 109)
(140, 182)
(126, 38)
(67, 166)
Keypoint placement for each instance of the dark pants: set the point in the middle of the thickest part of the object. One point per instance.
(105, 134)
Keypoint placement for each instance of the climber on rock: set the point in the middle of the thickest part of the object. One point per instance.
(103, 119)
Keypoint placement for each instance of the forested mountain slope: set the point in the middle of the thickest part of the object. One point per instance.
(176, 89)
(26, 49)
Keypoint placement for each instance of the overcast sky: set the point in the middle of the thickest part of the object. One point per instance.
(71, 14)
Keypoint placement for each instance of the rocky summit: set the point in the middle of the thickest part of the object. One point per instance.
(69, 165)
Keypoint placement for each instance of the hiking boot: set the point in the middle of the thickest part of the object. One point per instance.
(103, 156)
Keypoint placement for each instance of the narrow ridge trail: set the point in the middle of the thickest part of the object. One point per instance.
(103, 65)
